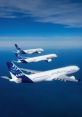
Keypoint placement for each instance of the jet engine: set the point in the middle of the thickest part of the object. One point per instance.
(49, 60)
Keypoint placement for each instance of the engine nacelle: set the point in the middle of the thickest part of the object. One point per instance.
(39, 52)
(72, 77)
(49, 60)
(18, 61)
(48, 79)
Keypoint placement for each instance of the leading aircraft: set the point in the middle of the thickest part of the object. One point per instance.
(47, 58)
(63, 73)
(30, 51)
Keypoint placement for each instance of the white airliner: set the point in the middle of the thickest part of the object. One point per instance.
(63, 73)
(30, 51)
(47, 58)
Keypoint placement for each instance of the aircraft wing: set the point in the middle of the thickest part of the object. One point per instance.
(29, 71)
(68, 78)
(63, 78)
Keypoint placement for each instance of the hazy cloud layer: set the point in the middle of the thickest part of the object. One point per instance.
(44, 42)
(64, 12)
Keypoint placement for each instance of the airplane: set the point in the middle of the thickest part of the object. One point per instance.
(30, 51)
(63, 73)
(47, 58)
(29, 71)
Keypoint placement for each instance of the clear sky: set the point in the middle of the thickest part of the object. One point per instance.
(56, 23)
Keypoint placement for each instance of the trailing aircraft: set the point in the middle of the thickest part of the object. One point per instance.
(63, 73)
(30, 51)
(47, 58)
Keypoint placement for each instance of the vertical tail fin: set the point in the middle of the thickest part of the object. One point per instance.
(17, 47)
(17, 73)
(18, 56)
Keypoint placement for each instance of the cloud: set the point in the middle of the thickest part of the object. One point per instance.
(44, 42)
(64, 12)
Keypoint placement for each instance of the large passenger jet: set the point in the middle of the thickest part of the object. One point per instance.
(47, 58)
(63, 73)
(30, 51)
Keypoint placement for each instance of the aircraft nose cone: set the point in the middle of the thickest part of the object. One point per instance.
(77, 68)
(55, 55)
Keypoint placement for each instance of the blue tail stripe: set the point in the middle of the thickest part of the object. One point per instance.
(18, 56)
(18, 73)
(17, 47)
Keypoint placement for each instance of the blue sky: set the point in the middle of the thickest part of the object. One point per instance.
(41, 21)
